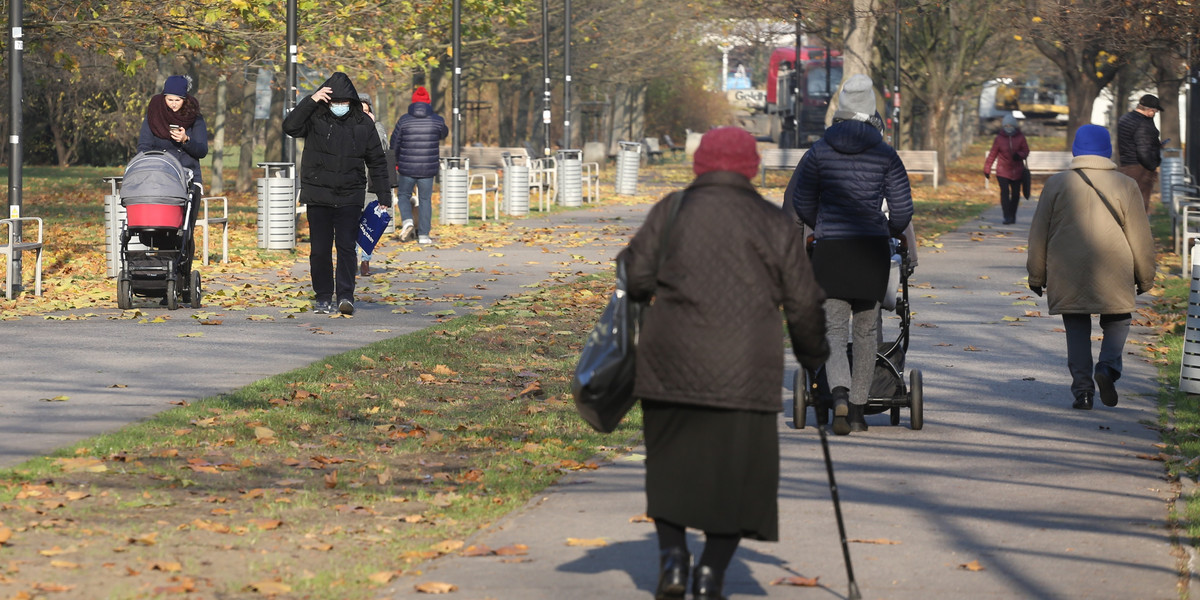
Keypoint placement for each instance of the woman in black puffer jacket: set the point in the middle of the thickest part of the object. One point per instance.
(838, 190)
(339, 140)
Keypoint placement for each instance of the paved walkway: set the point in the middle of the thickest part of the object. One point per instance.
(1050, 502)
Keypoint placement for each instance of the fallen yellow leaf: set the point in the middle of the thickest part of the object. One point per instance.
(381, 577)
(972, 566)
(594, 542)
(435, 587)
(797, 581)
(270, 588)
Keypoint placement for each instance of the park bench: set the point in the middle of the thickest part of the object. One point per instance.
(920, 162)
(779, 159)
(12, 250)
(671, 145)
(206, 220)
(653, 151)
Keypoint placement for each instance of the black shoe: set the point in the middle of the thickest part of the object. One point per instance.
(1105, 382)
(841, 409)
(673, 566)
(706, 585)
(1083, 401)
(857, 418)
(323, 307)
(346, 306)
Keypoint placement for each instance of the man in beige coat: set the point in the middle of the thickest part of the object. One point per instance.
(1090, 249)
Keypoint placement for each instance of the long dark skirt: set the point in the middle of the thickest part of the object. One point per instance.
(711, 469)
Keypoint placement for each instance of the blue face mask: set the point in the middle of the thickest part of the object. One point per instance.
(339, 110)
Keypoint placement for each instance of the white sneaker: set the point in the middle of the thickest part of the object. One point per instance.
(406, 230)
(424, 240)
(416, 201)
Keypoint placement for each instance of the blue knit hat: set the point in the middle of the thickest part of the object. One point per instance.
(176, 85)
(1092, 140)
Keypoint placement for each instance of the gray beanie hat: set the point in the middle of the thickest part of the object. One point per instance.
(858, 96)
(1009, 120)
(364, 98)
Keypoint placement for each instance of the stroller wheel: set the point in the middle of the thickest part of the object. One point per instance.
(194, 290)
(124, 292)
(172, 295)
(800, 398)
(916, 417)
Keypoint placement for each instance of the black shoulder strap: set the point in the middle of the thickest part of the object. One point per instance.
(1103, 198)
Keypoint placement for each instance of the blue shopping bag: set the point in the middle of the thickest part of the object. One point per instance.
(374, 221)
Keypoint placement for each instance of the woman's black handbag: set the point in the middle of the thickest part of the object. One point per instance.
(604, 376)
(603, 381)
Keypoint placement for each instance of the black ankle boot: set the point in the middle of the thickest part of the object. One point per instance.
(857, 418)
(706, 585)
(841, 409)
(673, 566)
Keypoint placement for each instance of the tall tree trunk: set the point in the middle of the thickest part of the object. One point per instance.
(524, 108)
(245, 180)
(506, 92)
(217, 184)
(274, 124)
(860, 39)
(1168, 72)
(1082, 78)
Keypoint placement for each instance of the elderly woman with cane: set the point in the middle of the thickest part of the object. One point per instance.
(710, 363)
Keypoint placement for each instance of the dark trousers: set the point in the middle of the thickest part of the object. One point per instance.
(1145, 179)
(1010, 196)
(327, 226)
(1115, 330)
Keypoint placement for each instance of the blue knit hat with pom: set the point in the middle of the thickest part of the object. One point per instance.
(1092, 140)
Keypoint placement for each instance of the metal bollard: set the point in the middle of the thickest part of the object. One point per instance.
(455, 178)
(277, 206)
(629, 160)
(570, 177)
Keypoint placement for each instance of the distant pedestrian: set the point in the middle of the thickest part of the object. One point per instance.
(709, 360)
(415, 143)
(839, 190)
(364, 268)
(1009, 151)
(340, 140)
(1090, 250)
(1138, 148)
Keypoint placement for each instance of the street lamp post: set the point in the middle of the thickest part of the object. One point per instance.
(546, 151)
(290, 91)
(456, 138)
(16, 43)
(896, 86)
(566, 74)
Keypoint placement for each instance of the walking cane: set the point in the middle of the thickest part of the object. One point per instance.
(837, 510)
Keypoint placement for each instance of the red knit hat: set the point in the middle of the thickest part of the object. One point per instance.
(727, 149)
(421, 94)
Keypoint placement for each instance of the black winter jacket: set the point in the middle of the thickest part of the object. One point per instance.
(337, 148)
(415, 140)
(841, 183)
(1137, 141)
(712, 336)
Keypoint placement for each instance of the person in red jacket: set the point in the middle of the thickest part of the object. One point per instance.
(1009, 151)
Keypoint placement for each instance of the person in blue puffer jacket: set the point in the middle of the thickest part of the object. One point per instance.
(415, 141)
(839, 190)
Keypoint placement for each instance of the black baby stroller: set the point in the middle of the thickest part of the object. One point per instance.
(160, 203)
(888, 391)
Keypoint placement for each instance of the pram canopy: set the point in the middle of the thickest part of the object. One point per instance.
(155, 177)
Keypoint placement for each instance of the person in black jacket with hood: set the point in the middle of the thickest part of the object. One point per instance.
(415, 142)
(339, 139)
(838, 190)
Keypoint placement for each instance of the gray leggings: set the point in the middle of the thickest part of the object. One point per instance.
(838, 317)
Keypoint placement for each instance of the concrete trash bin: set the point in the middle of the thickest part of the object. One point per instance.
(629, 160)
(455, 177)
(570, 177)
(277, 207)
(114, 220)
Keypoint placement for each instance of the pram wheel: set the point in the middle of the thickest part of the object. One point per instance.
(124, 292)
(172, 295)
(916, 417)
(194, 291)
(801, 398)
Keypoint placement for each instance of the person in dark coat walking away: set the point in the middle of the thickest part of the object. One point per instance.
(415, 141)
(710, 362)
(1138, 148)
(839, 190)
(1090, 249)
(1009, 151)
(339, 140)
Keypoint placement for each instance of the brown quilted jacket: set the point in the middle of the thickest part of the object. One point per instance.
(712, 336)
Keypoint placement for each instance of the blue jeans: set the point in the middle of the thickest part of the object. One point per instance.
(424, 187)
(1115, 330)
